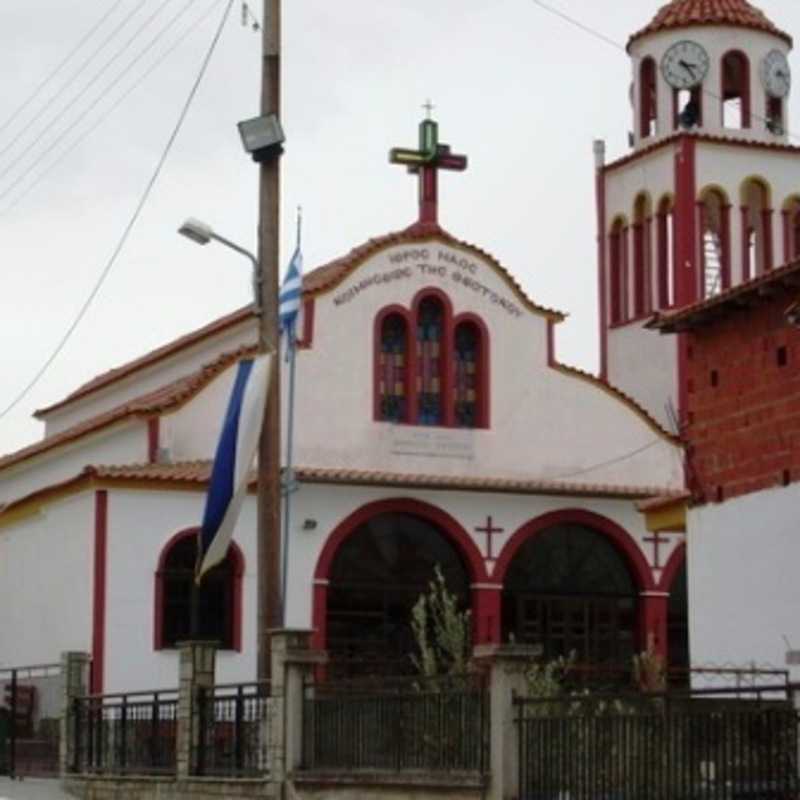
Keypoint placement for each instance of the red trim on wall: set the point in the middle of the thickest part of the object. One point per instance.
(787, 235)
(769, 249)
(153, 438)
(725, 235)
(307, 338)
(648, 265)
(625, 302)
(686, 278)
(653, 611)
(236, 601)
(450, 528)
(100, 573)
(747, 267)
(487, 611)
(603, 301)
(484, 370)
(637, 563)
(639, 291)
(676, 560)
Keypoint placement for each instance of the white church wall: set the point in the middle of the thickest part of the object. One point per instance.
(125, 444)
(46, 578)
(644, 364)
(183, 363)
(527, 395)
(653, 174)
(140, 524)
(743, 589)
(328, 506)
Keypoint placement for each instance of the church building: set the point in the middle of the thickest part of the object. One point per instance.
(439, 429)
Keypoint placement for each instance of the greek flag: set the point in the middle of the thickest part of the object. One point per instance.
(289, 299)
(236, 450)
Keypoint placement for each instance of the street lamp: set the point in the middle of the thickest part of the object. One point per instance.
(201, 233)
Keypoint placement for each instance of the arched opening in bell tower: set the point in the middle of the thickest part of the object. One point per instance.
(665, 235)
(642, 223)
(735, 90)
(618, 268)
(791, 228)
(756, 228)
(648, 98)
(714, 212)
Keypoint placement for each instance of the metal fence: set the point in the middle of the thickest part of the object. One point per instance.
(399, 724)
(30, 709)
(710, 745)
(133, 732)
(233, 730)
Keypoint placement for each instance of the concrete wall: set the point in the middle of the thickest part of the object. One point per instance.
(743, 588)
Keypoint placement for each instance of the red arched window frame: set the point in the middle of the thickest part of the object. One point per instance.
(618, 267)
(432, 375)
(665, 247)
(756, 212)
(387, 369)
(735, 76)
(791, 229)
(642, 234)
(648, 98)
(714, 231)
(420, 350)
(480, 377)
(234, 589)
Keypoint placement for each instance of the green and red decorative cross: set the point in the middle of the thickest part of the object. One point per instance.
(426, 162)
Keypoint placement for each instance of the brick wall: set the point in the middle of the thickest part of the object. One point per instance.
(744, 401)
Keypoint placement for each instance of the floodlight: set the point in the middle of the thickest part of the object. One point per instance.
(262, 137)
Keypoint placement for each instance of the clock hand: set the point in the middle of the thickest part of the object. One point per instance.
(688, 67)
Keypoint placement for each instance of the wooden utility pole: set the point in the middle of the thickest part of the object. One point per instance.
(269, 452)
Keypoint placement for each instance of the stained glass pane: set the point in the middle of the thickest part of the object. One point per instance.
(393, 375)
(430, 326)
(467, 355)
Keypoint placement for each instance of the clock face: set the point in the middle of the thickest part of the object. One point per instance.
(685, 65)
(776, 74)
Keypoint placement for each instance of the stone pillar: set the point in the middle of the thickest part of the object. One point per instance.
(197, 669)
(505, 666)
(292, 663)
(74, 683)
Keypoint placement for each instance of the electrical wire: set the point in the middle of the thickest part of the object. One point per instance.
(14, 114)
(47, 167)
(85, 89)
(132, 222)
(75, 75)
(619, 46)
(113, 83)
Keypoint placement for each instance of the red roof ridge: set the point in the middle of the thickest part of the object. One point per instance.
(154, 356)
(620, 395)
(667, 320)
(170, 396)
(691, 13)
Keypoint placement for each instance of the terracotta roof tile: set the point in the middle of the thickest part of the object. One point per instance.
(752, 291)
(166, 398)
(689, 13)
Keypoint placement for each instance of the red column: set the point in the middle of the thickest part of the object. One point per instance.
(602, 279)
(638, 270)
(486, 605)
(653, 619)
(766, 225)
(624, 305)
(787, 235)
(663, 261)
(319, 614)
(702, 222)
(747, 267)
(648, 265)
(686, 282)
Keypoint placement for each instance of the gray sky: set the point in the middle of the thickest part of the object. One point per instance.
(517, 89)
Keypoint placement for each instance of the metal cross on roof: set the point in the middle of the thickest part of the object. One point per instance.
(426, 162)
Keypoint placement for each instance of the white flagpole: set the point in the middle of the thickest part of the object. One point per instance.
(288, 476)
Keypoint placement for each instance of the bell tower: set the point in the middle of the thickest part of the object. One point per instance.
(708, 196)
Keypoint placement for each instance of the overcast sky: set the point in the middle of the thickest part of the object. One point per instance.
(517, 89)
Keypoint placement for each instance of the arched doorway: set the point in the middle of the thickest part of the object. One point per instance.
(376, 576)
(569, 589)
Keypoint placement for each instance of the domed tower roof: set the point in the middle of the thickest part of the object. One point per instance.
(689, 13)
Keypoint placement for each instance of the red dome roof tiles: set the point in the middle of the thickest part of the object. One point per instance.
(687, 13)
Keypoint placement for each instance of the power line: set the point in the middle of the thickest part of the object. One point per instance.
(86, 88)
(75, 75)
(619, 46)
(114, 82)
(131, 223)
(47, 167)
(14, 114)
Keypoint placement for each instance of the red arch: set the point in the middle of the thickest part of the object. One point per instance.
(405, 315)
(672, 567)
(450, 528)
(640, 570)
(236, 556)
(482, 377)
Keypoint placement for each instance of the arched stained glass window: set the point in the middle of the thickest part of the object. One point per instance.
(430, 330)
(467, 367)
(393, 378)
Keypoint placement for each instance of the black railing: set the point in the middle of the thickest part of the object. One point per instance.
(233, 730)
(126, 733)
(400, 724)
(30, 709)
(708, 745)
